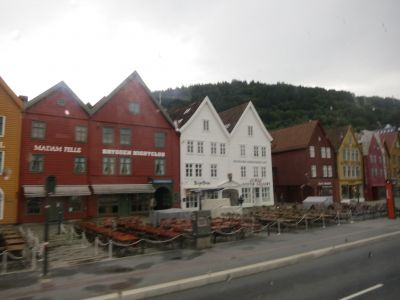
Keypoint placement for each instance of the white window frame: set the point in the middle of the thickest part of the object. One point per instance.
(213, 170)
(312, 151)
(125, 163)
(243, 150)
(263, 151)
(324, 171)
(313, 171)
(330, 171)
(213, 148)
(206, 125)
(323, 152)
(190, 146)
(3, 128)
(198, 170)
(108, 162)
(189, 170)
(255, 171)
(263, 172)
(222, 149)
(250, 130)
(255, 151)
(328, 152)
(243, 171)
(200, 147)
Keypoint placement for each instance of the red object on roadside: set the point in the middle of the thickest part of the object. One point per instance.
(390, 200)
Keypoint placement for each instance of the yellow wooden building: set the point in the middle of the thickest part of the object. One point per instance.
(349, 163)
(10, 144)
(391, 140)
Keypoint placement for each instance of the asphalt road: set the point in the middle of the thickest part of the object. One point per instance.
(367, 272)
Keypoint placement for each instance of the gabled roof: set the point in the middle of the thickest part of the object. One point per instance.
(336, 136)
(183, 114)
(133, 77)
(231, 116)
(390, 139)
(58, 86)
(293, 138)
(12, 95)
(365, 138)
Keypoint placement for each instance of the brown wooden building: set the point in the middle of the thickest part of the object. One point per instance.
(303, 163)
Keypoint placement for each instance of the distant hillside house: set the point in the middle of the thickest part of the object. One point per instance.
(349, 163)
(303, 163)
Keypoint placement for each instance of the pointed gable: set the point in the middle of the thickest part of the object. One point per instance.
(293, 138)
(183, 114)
(389, 139)
(11, 94)
(58, 100)
(336, 136)
(132, 89)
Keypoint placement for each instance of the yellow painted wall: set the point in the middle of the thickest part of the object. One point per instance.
(10, 143)
(394, 161)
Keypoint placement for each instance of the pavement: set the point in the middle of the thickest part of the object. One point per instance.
(141, 276)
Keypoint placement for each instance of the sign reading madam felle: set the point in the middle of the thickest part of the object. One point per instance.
(52, 148)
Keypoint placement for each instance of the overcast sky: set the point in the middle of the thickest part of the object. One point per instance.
(93, 45)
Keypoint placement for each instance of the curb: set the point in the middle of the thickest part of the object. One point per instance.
(226, 275)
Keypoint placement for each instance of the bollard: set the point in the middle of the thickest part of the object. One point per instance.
(83, 239)
(323, 221)
(110, 248)
(279, 228)
(306, 224)
(34, 261)
(4, 262)
(338, 215)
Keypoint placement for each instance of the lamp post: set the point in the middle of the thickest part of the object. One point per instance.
(50, 188)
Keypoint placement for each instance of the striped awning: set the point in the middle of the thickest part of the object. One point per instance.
(100, 189)
(34, 191)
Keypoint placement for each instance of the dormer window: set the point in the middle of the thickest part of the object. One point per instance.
(206, 125)
(250, 130)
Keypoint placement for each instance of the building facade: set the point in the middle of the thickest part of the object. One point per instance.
(134, 153)
(54, 144)
(250, 162)
(349, 163)
(374, 156)
(303, 163)
(204, 161)
(10, 142)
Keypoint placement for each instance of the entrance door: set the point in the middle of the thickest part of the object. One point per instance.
(163, 198)
(56, 209)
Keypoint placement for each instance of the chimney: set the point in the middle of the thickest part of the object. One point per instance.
(23, 98)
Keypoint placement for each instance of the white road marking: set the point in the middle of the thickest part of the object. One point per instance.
(363, 292)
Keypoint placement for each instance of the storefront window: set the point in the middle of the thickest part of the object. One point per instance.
(191, 201)
(33, 206)
(75, 204)
(108, 205)
(140, 203)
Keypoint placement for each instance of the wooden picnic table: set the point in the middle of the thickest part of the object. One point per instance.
(15, 241)
(18, 247)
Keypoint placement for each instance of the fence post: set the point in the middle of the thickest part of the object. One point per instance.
(323, 221)
(279, 228)
(34, 261)
(4, 262)
(96, 246)
(83, 239)
(338, 217)
(110, 248)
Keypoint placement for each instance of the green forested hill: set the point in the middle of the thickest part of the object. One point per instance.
(281, 105)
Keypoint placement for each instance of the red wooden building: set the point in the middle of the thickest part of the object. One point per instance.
(134, 152)
(54, 143)
(303, 163)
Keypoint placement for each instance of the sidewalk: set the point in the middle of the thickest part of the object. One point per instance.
(146, 270)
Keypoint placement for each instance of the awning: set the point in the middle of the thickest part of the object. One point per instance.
(208, 189)
(33, 191)
(100, 189)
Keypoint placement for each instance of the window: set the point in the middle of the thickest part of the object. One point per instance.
(38, 130)
(246, 193)
(159, 166)
(134, 107)
(242, 150)
(255, 151)
(206, 125)
(264, 151)
(200, 147)
(313, 171)
(222, 149)
(108, 205)
(256, 192)
(265, 194)
(190, 146)
(328, 152)
(198, 170)
(75, 204)
(125, 135)
(36, 164)
(312, 151)
(263, 172)
(191, 201)
(255, 171)
(61, 102)
(213, 170)
(213, 148)
(159, 139)
(80, 134)
(2, 125)
(323, 152)
(189, 170)
(330, 173)
(1, 162)
(108, 165)
(250, 130)
(243, 171)
(125, 166)
(212, 195)
(325, 171)
(79, 165)
(33, 206)
(108, 135)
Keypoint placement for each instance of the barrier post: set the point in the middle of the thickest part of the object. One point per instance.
(110, 248)
(4, 262)
(96, 246)
(34, 260)
(279, 228)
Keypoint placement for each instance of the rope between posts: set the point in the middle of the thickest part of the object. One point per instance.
(227, 233)
(102, 244)
(161, 242)
(12, 256)
(262, 228)
(127, 245)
